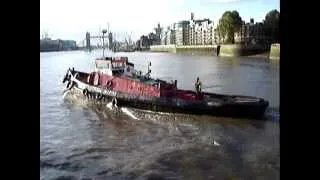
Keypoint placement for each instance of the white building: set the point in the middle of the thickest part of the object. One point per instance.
(191, 32)
(182, 33)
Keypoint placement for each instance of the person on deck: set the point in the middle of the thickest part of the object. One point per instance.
(198, 85)
(88, 78)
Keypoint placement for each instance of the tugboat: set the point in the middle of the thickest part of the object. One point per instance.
(115, 80)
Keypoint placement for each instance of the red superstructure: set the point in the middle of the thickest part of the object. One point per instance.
(118, 74)
(129, 86)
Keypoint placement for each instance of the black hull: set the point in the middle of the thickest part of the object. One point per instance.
(213, 104)
(253, 111)
(236, 111)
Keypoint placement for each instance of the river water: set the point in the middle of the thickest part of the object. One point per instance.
(79, 141)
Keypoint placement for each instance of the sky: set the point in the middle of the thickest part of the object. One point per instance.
(71, 19)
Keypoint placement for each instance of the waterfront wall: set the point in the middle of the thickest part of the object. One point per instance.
(275, 51)
(201, 49)
(163, 48)
(234, 50)
(230, 50)
(47, 45)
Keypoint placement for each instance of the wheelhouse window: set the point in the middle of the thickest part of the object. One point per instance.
(102, 65)
(117, 64)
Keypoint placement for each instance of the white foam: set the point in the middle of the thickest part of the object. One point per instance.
(65, 93)
(216, 143)
(109, 105)
(125, 110)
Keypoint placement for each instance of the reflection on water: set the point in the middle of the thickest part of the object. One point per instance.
(79, 141)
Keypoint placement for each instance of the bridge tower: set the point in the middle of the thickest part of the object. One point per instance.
(88, 45)
(110, 40)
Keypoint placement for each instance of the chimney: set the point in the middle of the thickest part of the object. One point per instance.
(251, 21)
(192, 16)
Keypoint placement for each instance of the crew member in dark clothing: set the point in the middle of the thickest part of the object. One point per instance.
(198, 85)
(218, 50)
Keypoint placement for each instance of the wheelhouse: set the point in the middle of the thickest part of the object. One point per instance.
(114, 66)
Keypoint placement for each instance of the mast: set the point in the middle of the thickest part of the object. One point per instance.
(149, 70)
(103, 47)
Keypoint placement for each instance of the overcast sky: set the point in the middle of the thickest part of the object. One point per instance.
(71, 19)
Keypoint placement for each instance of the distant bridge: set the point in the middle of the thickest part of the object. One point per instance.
(87, 41)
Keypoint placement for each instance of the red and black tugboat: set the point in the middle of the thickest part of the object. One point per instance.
(115, 79)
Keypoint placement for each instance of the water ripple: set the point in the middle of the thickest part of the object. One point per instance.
(85, 141)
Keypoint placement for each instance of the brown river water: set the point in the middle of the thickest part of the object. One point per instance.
(81, 141)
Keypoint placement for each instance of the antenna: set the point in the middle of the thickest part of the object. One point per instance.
(103, 32)
(99, 34)
(108, 29)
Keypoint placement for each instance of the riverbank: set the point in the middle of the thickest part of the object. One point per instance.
(235, 50)
(260, 55)
(275, 52)
(226, 50)
(61, 50)
(163, 48)
(48, 45)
